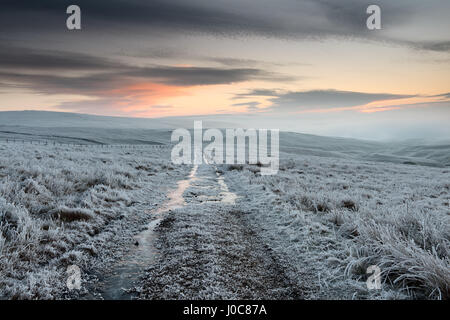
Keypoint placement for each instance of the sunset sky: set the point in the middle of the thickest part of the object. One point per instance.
(303, 65)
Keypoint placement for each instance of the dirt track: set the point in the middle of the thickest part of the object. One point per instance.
(207, 250)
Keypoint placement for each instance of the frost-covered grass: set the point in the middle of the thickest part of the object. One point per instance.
(324, 220)
(332, 218)
(57, 201)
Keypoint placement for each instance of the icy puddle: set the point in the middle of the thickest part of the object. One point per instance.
(204, 187)
(227, 196)
(144, 253)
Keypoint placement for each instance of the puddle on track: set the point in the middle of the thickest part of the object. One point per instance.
(125, 273)
(128, 270)
(227, 196)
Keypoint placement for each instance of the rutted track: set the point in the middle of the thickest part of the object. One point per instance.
(199, 246)
(120, 279)
(207, 250)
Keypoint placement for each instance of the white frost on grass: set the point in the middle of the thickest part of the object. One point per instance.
(332, 218)
(62, 205)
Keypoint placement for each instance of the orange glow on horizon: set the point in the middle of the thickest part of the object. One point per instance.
(143, 97)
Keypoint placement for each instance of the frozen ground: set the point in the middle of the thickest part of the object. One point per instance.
(309, 232)
(329, 220)
(336, 207)
(208, 252)
(62, 206)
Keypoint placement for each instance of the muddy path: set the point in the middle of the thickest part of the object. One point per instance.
(207, 250)
(198, 246)
(116, 282)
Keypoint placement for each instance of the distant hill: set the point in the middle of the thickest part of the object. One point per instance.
(408, 152)
(83, 128)
(65, 119)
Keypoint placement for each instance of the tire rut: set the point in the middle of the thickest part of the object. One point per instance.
(209, 251)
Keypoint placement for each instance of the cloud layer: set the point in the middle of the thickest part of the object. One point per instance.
(327, 99)
(314, 19)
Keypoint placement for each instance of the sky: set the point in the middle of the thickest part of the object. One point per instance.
(297, 65)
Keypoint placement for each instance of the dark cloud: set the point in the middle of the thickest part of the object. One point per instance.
(94, 83)
(194, 15)
(258, 93)
(32, 59)
(187, 76)
(60, 84)
(232, 62)
(326, 99)
(64, 72)
(281, 19)
(443, 95)
(252, 103)
(435, 46)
